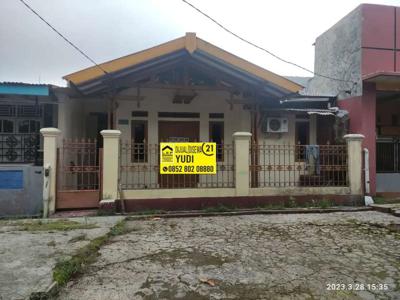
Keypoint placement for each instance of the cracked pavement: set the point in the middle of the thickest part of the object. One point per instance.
(27, 258)
(248, 257)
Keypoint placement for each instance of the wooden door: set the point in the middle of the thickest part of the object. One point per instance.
(178, 131)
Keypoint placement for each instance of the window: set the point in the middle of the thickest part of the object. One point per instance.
(179, 115)
(139, 141)
(28, 126)
(395, 120)
(6, 126)
(216, 115)
(217, 136)
(302, 137)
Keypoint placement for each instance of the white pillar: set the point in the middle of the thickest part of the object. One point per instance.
(110, 163)
(354, 150)
(242, 173)
(50, 136)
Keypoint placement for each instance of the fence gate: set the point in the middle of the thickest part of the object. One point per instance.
(78, 174)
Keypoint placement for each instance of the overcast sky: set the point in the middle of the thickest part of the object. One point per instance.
(107, 29)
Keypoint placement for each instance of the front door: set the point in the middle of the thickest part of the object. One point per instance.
(179, 131)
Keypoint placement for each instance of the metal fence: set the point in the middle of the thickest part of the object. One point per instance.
(139, 169)
(20, 148)
(78, 165)
(298, 165)
(388, 156)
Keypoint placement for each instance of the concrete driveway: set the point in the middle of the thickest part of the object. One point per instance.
(29, 250)
(301, 256)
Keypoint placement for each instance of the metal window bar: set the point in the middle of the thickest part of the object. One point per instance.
(388, 156)
(20, 148)
(78, 165)
(280, 166)
(139, 169)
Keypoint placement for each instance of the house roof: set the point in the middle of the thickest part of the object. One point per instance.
(27, 89)
(299, 80)
(89, 79)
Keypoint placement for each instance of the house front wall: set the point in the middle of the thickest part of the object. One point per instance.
(160, 100)
(78, 116)
(235, 118)
(155, 101)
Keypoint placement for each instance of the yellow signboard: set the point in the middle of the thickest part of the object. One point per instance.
(188, 158)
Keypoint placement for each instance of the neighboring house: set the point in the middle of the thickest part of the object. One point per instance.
(24, 109)
(189, 90)
(364, 47)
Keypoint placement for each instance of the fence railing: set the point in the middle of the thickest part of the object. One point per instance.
(298, 165)
(20, 148)
(139, 169)
(388, 156)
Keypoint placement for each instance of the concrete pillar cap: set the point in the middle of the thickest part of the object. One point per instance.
(108, 133)
(50, 131)
(354, 137)
(242, 135)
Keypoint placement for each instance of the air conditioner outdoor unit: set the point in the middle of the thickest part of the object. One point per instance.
(277, 125)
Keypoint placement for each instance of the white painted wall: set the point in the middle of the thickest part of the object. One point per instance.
(74, 118)
(160, 100)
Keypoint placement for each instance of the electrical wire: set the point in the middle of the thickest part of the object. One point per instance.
(263, 49)
(63, 37)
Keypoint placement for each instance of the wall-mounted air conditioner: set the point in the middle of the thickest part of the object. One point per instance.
(277, 125)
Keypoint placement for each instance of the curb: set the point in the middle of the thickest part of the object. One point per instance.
(50, 292)
(395, 211)
(190, 214)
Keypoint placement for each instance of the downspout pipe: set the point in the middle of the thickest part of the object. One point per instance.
(46, 190)
(366, 171)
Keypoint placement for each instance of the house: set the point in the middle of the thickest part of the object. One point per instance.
(363, 49)
(112, 118)
(24, 109)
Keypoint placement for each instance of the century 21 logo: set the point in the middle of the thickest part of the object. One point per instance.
(209, 149)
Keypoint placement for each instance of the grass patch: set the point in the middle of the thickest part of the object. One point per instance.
(151, 212)
(218, 208)
(106, 211)
(68, 268)
(383, 200)
(78, 238)
(57, 225)
(272, 206)
(380, 200)
(325, 203)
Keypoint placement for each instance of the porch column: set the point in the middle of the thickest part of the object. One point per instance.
(50, 136)
(354, 150)
(242, 173)
(110, 163)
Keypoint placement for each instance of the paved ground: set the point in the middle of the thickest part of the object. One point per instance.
(28, 255)
(301, 256)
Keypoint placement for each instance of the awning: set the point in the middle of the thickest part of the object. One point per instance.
(385, 81)
(334, 111)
